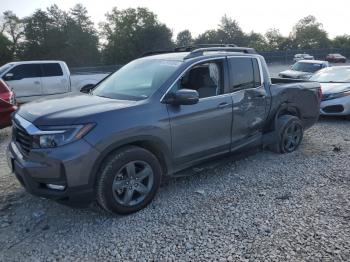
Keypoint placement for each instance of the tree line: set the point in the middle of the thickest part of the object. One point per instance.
(126, 34)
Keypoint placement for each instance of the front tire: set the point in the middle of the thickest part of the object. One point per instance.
(128, 180)
(290, 131)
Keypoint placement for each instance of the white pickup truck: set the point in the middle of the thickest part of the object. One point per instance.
(31, 80)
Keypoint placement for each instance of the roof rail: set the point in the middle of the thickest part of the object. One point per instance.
(158, 52)
(196, 46)
(200, 51)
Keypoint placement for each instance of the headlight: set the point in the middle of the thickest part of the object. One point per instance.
(59, 136)
(338, 95)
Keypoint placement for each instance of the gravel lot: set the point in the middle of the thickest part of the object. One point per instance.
(265, 206)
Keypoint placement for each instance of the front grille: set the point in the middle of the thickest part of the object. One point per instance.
(21, 138)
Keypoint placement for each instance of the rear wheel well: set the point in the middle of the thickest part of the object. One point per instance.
(293, 111)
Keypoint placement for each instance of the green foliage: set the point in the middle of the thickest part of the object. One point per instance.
(229, 32)
(5, 49)
(71, 36)
(184, 38)
(13, 27)
(55, 34)
(342, 41)
(257, 41)
(131, 32)
(308, 33)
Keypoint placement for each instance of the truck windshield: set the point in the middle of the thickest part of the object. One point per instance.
(4, 68)
(332, 75)
(137, 80)
(306, 67)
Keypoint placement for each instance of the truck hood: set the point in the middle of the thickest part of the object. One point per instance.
(69, 109)
(295, 74)
(333, 88)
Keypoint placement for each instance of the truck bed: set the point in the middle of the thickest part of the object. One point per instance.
(302, 97)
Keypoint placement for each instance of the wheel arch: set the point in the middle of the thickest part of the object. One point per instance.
(153, 145)
(285, 109)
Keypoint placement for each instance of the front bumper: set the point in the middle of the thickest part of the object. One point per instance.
(336, 107)
(69, 165)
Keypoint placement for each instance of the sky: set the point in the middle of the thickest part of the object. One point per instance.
(198, 16)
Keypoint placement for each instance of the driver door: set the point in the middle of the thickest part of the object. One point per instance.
(203, 129)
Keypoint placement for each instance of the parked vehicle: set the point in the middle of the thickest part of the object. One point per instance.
(336, 58)
(31, 80)
(7, 104)
(299, 57)
(303, 69)
(335, 83)
(154, 117)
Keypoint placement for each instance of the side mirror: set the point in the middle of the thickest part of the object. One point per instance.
(182, 97)
(8, 76)
(86, 89)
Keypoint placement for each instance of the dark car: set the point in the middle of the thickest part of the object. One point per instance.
(304, 69)
(336, 58)
(7, 104)
(156, 116)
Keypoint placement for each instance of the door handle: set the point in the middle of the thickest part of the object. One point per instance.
(223, 105)
(37, 82)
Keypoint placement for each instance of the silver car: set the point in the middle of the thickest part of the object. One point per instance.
(335, 84)
(298, 57)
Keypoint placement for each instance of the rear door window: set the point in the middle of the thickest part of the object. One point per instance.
(52, 69)
(25, 71)
(241, 73)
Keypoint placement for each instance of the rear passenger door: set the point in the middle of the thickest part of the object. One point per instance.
(25, 81)
(249, 99)
(54, 81)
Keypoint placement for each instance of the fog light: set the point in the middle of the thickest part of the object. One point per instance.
(56, 187)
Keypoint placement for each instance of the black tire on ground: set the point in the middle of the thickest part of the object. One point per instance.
(128, 180)
(289, 131)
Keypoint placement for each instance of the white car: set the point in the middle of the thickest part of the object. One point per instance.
(304, 69)
(31, 80)
(299, 57)
(335, 84)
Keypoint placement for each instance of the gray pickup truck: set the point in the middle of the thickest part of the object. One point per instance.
(154, 117)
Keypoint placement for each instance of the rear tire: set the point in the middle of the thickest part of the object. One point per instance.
(128, 180)
(289, 131)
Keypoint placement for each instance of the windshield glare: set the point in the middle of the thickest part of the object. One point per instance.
(332, 75)
(306, 67)
(137, 80)
(4, 68)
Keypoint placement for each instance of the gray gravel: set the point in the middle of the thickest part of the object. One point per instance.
(293, 207)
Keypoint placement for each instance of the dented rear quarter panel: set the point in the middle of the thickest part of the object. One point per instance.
(294, 96)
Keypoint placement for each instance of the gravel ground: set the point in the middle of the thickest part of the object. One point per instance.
(262, 207)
